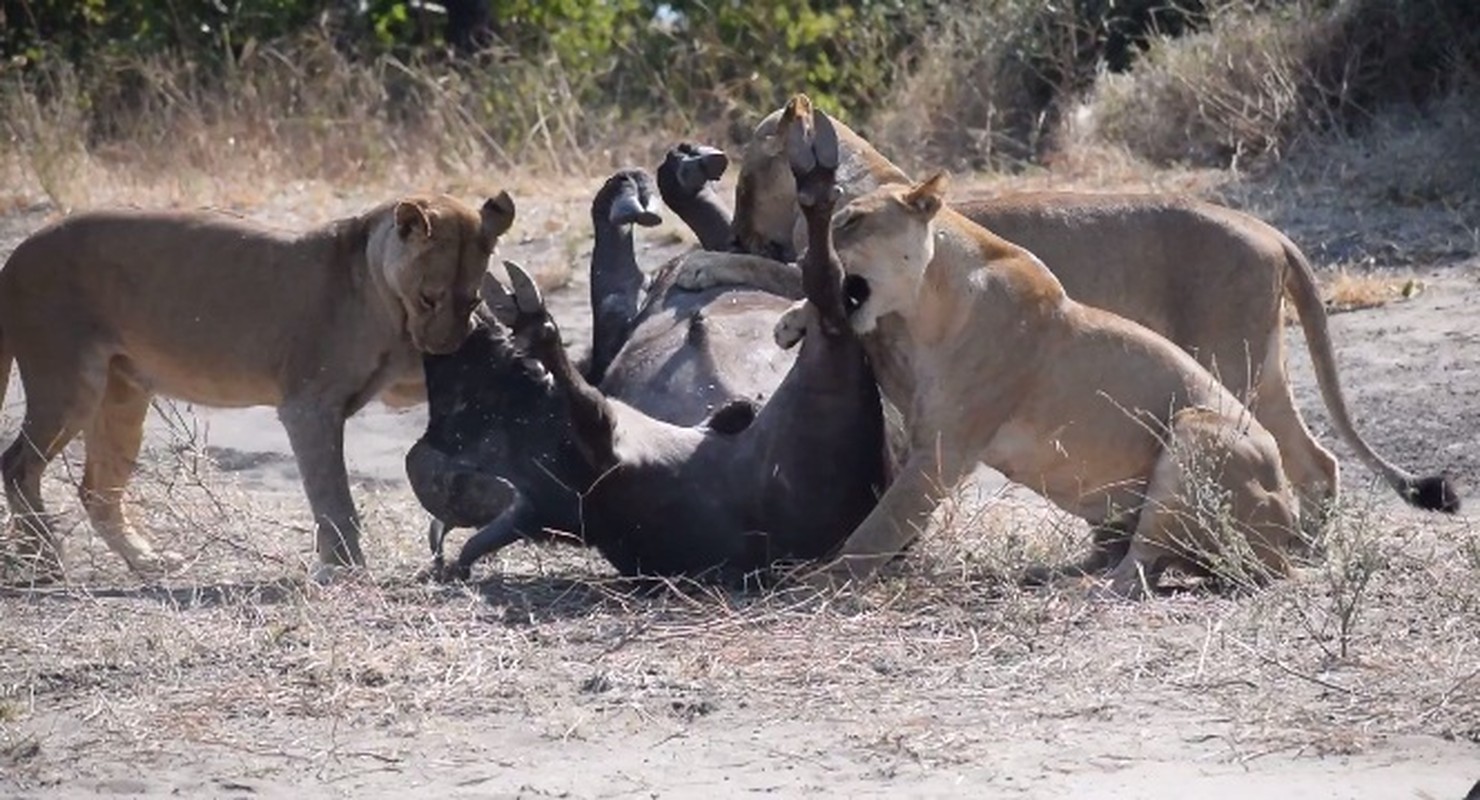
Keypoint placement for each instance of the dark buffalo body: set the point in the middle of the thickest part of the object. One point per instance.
(654, 494)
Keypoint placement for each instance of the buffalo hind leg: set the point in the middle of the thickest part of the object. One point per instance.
(507, 528)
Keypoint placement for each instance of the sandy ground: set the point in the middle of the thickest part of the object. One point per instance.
(238, 679)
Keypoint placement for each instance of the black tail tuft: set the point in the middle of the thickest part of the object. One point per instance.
(1434, 493)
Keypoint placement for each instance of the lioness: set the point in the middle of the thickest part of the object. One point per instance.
(976, 341)
(104, 310)
(1208, 278)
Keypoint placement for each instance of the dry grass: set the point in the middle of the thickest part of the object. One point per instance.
(299, 111)
(241, 653)
(1348, 291)
(944, 661)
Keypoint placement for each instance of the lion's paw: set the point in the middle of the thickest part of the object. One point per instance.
(156, 563)
(326, 574)
(793, 325)
(694, 276)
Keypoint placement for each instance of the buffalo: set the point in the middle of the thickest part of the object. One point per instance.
(687, 445)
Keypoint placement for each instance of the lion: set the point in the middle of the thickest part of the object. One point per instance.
(993, 363)
(102, 311)
(1208, 278)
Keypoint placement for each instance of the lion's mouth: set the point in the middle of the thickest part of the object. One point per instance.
(856, 292)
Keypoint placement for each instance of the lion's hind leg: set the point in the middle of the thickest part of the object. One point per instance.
(1217, 504)
(56, 411)
(113, 439)
(1312, 469)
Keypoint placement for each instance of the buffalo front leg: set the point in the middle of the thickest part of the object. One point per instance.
(901, 515)
(316, 434)
(113, 439)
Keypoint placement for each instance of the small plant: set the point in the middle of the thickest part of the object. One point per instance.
(1354, 557)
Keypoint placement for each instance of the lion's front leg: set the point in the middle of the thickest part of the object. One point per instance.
(407, 392)
(901, 515)
(316, 433)
(705, 270)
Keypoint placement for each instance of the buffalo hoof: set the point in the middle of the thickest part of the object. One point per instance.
(696, 165)
(812, 151)
(439, 571)
(793, 325)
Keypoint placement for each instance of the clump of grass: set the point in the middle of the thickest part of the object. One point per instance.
(1258, 80)
(1351, 291)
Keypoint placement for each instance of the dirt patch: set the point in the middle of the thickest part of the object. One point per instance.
(1358, 678)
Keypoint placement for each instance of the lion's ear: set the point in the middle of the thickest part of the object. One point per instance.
(498, 216)
(412, 215)
(926, 197)
(798, 107)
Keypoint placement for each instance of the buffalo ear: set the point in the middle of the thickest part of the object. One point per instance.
(926, 197)
(412, 215)
(497, 217)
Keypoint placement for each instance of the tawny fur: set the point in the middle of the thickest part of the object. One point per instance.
(1208, 278)
(993, 363)
(104, 310)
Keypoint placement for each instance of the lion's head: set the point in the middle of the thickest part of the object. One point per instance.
(765, 193)
(434, 258)
(767, 219)
(885, 240)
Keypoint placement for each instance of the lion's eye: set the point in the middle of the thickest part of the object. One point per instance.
(849, 222)
(428, 300)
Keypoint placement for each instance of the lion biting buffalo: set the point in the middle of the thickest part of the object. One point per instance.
(1210, 279)
(1101, 349)
(104, 310)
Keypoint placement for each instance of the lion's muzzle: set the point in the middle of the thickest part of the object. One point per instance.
(856, 292)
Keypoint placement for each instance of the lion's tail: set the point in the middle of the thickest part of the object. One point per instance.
(5, 358)
(1432, 492)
